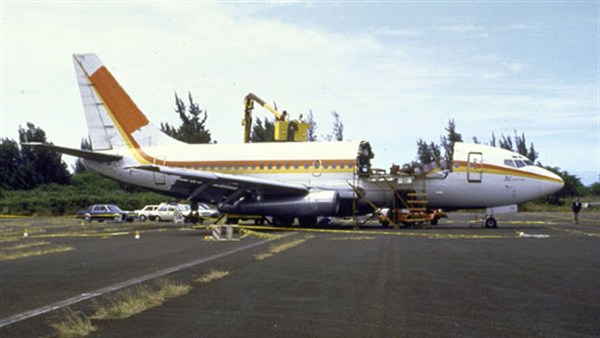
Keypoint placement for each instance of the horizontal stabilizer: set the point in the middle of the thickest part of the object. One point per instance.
(87, 154)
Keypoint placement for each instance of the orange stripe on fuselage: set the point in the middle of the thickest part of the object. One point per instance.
(501, 170)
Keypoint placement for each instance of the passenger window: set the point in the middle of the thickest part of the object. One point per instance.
(509, 163)
(519, 163)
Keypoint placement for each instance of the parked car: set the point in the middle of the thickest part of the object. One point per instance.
(101, 212)
(147, 212)
(172, 212)
(205, 211)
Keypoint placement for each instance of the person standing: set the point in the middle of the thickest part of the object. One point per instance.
(576, 207)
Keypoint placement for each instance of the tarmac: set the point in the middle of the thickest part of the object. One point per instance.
(536, 275)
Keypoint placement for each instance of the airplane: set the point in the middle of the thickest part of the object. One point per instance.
(283, 180)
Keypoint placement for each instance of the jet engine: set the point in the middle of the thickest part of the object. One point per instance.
(313, 204)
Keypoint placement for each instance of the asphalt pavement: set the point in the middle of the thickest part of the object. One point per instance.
(537, 275)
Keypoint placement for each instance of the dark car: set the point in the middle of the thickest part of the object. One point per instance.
(101, 212)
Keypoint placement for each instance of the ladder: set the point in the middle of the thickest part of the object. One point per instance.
(417, 203)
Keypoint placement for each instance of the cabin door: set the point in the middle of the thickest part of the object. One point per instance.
(475, 167)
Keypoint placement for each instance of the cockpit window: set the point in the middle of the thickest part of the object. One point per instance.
(520, 164)
(528, 162)
(509, 163)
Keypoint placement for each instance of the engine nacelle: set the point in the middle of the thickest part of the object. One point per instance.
(314, 204)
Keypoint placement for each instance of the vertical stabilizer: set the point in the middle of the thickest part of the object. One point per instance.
(113, 119)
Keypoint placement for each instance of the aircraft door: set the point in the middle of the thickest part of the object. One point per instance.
(159, 178)
(475, 167)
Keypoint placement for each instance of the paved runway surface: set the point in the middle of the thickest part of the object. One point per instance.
(536, 275)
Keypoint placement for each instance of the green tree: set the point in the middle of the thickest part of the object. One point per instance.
(595, 189)
(532, 154)
(506, 143)
(263, 131)
(311, 134)
(427, 152)
(40, 166)
(493, 140)
(193, 123)
(337, 131)
(517, 144)
(448, 141)
(86, 144)
(11, 177)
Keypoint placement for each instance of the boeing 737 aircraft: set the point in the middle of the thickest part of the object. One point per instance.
(282, 180)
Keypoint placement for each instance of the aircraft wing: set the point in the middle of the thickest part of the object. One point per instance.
(87, 154)
(198, 183)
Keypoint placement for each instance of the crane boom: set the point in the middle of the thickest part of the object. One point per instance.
(249, 106)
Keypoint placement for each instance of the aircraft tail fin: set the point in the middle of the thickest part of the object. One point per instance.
(113, 119)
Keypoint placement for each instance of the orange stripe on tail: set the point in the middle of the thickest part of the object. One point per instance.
(124, 110)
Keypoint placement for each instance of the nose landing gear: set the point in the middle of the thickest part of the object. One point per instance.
(490, 222)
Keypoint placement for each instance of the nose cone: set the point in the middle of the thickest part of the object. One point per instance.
(551, 183)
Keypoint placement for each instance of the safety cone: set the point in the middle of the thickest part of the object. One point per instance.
(137, 234)
(25, 233)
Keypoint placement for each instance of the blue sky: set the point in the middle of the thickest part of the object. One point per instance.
(394, 71)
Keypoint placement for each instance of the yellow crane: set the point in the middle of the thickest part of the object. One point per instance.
(282, 123)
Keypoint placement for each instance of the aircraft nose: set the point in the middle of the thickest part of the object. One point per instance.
(552, 183)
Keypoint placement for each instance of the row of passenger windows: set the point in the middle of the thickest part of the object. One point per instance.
(517, 163)
(270, 166)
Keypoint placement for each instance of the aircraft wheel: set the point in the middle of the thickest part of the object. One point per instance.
(491, 223)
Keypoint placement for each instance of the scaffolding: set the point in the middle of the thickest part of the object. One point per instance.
(409, 203)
